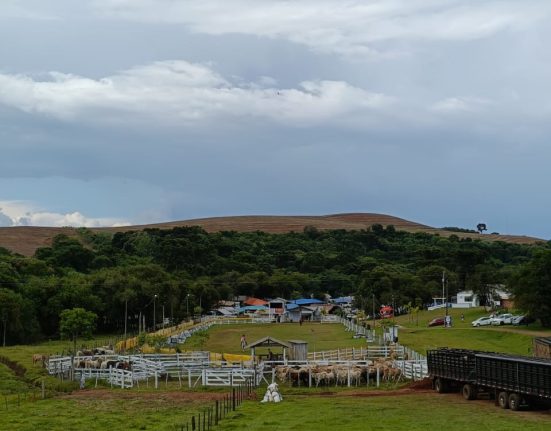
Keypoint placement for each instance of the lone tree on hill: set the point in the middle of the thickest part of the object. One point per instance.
(76, 323)
(480, 227)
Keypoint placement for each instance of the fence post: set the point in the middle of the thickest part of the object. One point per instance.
(193, 423)
(216, 414)
(233, 398)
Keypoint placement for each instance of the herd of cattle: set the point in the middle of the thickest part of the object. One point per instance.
(339, 374)
(97, 358)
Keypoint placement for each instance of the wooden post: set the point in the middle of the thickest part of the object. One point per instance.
(309, 377)
(348, 375)
(216, 414)
(378, 377)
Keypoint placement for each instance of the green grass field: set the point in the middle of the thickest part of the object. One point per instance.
(225, 338)
(416, 334)
(112, 409)
(302, 409)
(383, 413)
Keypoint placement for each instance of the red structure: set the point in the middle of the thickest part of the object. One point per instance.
(386, 312)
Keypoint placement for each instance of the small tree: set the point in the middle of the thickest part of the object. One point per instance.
(77, 323)
(481, 227)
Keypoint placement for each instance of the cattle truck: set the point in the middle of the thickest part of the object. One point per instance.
(512, 381)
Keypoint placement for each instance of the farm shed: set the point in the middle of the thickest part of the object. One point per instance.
(269, 342)
(542, 347)
(298, 351)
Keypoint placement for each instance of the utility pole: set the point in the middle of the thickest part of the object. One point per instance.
(373, 311)
(154, 317)
(445, 286)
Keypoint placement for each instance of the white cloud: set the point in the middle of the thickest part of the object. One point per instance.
(344, 27)
(178, 92)
(461, 105)
(13, 213)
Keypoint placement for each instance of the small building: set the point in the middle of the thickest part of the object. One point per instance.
(277, 306)
(466, 299)
(542, 347)
(298, 350)
(269, 343)
(254, 301)
(296, 313)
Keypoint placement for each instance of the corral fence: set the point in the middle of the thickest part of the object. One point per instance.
(413, 369)
(358, 353)
(209, 417)
(358, 330)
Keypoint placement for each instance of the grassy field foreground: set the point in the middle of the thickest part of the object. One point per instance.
(384, 413)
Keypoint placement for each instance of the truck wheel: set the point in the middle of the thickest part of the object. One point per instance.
(503, 400)
(468, 391)
(514, 401)
(440, 385)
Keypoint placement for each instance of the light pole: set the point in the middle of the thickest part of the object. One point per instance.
(445, 287)
(154, 317)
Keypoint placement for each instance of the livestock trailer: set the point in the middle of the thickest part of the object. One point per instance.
(514, 381)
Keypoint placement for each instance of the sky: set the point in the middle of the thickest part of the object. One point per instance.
(116, 112)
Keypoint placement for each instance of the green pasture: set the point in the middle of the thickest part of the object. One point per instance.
(384, 413)
(120, 411)
(319, 336)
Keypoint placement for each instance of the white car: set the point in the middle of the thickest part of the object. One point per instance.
(503, 319)
(482, 321)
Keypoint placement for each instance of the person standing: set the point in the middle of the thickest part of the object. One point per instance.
(243, 342)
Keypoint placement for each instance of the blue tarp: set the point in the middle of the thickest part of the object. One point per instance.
(306, 301)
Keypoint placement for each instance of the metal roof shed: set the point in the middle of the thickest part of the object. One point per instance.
(269, 342)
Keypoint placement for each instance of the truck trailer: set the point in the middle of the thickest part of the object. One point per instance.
(513, 381)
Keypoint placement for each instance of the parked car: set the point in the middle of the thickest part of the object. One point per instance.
(502, 319)
(437, 321)
(482, 321)
(522, 320)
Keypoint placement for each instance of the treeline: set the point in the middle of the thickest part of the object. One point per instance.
(174, 273)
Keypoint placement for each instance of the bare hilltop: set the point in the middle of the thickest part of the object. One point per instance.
(26, 239)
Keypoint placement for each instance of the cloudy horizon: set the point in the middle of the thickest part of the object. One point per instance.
(117, 112)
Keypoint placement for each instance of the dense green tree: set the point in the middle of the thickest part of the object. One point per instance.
(11, 305)
(75, 323)
(531, 285)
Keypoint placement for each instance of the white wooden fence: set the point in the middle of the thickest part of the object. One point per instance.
(226, 377)
(358, 353)
(413, 369)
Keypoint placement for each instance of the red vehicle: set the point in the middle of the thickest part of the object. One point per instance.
(386, 312)
(437, 321)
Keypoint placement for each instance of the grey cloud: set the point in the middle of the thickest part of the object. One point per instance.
(348, 28)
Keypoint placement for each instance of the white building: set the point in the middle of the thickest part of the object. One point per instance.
(466, 299)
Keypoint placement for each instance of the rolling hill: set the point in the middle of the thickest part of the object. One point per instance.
(26, 239)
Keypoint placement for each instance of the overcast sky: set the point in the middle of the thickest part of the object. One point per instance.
(139, 111)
